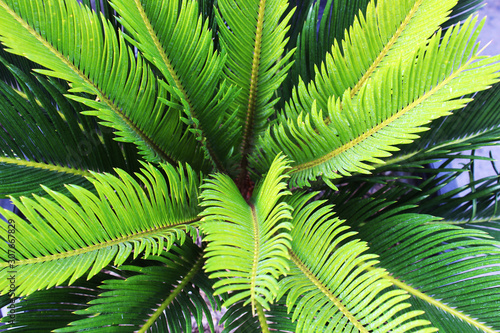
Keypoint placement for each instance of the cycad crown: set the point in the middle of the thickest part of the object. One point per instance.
(170, 158)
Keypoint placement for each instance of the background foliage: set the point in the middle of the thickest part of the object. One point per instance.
(168, 159)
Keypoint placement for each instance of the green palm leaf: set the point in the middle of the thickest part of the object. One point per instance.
(247, 239)
(252, 33)
(151, 296)
(375, 41)
(415, 252)
(162, 30)
(448, 136)
(128, 95)
(387, 111)
(48, 144)
(66, 239)
(315, 36)
(339, 289)
(56, 305)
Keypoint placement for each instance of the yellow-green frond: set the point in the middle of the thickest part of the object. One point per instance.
(65, 239)
(77, 45)
(247, 239)
(332, 284)
(389, 110)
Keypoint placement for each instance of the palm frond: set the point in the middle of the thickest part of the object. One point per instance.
(66, 239)
(56, 305)
(387, 111)
(415, 251)
(252, 34)
(162, 30)
(333, 283)
(95, 60)
(388, 32)
(239, 318)
(247, 239)
(152, 296)
(451, 135)
(46, 141)
(315, 36)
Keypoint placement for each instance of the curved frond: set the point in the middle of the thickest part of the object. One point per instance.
(160, 295)
(95, 60)
(388, 32)
(46, 141)
(47, 310)
(247, 239)
(66, 239)
(450, 272)
(315, 36)
(387, 111)
(333, 284)
(473, 127)
(173, 36)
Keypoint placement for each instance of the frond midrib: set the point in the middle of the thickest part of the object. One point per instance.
(324, 289)
(95, 247)
(252, 96)
(386, 49)
(178, 82)
(383, 124)
(435, 302)
(376, 63)
(43, 166)
(185, 280)
(99, 92)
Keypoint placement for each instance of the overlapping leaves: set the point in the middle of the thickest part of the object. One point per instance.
(85, 50)
(387, 111)
(333, 284)
(52, 145)
(450, 272)
(252, 33)
(165, 30)
(159, 296)
(66, 239)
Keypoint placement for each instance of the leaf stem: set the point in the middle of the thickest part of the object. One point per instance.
(324, 289)
(252, 96)
(418, 294)
(189, 276)
(262, 318)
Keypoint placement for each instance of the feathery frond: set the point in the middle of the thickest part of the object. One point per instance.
(418, 248)
(96, 60)
(49, 144)
(252, 33)
(247, 239)
(317, 33)
(386, 112)
(333, 284)
(150, 297)
(162, 30)
(375, 41)
(65, 239)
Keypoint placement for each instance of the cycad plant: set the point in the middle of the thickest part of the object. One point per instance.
(172, 158)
